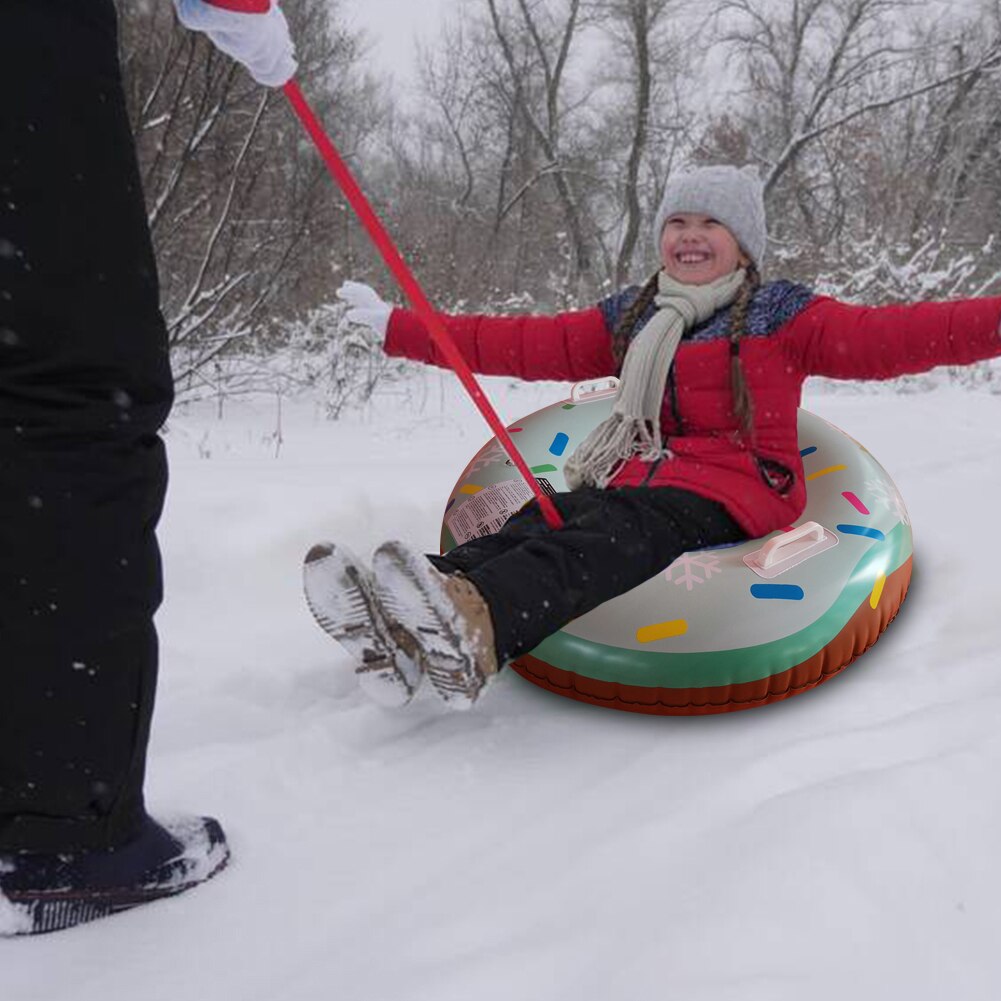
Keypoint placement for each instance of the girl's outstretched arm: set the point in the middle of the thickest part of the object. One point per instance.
(843, 341)
(565, 347)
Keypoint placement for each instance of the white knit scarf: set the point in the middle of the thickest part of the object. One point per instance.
(634, 425)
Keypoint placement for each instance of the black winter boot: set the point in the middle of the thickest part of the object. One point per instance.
(43, 893)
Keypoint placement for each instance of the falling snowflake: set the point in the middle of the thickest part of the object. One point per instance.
(689, 567)
(886, 494)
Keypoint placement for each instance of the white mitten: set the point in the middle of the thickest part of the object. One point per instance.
(253, 32)
(365, 307)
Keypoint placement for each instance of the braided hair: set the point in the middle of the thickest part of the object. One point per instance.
(623, 332)
(742, 405)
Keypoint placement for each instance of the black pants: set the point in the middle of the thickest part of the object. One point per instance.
(536, 579)
(84, 385)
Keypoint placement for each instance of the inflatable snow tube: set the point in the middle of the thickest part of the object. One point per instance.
(719, 629)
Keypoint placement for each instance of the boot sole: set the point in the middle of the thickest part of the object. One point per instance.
(332, 580)
(449, 665)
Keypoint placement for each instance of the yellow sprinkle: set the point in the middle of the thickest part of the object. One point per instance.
(470, 488)
(661, 631)
(824, 472)
(877, 591)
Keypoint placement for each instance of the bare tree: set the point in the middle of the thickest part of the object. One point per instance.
(826, 81)
(524, 161)
(649, 62)
(535, 41)
(232, 205)
(473, 192)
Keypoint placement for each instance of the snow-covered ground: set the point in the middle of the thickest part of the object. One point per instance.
(841, 844)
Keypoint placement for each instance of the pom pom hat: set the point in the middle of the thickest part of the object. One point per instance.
(733, 195)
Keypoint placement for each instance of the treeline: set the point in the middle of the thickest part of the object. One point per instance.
(525, 167)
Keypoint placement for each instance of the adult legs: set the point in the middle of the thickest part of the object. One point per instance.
(84, 386)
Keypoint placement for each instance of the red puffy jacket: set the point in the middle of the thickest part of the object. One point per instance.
(758, 477)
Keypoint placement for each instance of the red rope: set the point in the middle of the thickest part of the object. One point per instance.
(384, 243)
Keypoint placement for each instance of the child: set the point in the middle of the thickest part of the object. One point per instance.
(701, 448)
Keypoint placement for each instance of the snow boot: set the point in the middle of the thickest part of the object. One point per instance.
(445, 614)
(43, 893)
(340, 594)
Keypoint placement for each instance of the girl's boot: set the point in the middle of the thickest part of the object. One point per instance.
(445, 615)
(341, 596)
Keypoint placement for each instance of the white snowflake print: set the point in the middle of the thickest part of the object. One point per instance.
(493, 454)
(885, 493)
(689, 566)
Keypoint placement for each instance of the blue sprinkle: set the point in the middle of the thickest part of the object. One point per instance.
(808, 451)
(559, 444)
(868, 533)
(784, 592)
(450, 503)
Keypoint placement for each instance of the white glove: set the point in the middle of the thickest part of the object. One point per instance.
(365, 307)
(260, 41)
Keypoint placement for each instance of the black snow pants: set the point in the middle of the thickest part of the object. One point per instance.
(84, 386)
(536, 579)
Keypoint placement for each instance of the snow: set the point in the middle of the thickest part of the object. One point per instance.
(840, 844)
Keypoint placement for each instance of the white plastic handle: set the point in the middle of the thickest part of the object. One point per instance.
(770, 551)
(594, 389)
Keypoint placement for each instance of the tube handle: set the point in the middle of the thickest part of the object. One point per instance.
(594, 389)
(771, 552)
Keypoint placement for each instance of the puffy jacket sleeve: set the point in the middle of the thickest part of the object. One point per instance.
(843, 341)
(566, 347)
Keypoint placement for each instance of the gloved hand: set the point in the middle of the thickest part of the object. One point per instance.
(254, 32)
(366, 308)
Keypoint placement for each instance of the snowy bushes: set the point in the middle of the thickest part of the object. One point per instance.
(876, 271)
(321, 353)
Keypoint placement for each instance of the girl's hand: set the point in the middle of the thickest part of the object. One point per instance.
(253, 32)
(365, 307)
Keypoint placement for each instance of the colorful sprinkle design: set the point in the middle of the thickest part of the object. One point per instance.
(862, 530)
(661, 631)
(777, 592)
(855, 502)
(877, 591)
(559, 444)
(824, 472)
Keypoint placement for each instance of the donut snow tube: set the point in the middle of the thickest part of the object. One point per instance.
(719, 629)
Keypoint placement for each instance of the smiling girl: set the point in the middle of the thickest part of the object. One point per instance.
(701, 448)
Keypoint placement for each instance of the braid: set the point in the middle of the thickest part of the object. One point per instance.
(629, 319)
(742, 404)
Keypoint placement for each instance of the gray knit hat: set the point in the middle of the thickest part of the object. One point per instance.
(733, 195)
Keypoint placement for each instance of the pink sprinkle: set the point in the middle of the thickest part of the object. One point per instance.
(855, 502)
